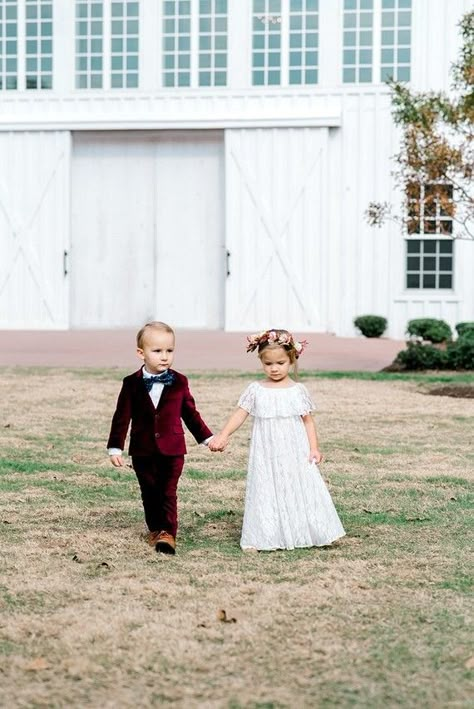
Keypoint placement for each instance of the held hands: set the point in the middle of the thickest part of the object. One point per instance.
(218, 442)
(315, 456)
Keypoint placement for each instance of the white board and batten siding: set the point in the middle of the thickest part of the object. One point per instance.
(34, 229)
(147, 229)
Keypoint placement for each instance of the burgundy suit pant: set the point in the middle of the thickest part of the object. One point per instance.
(158, 477)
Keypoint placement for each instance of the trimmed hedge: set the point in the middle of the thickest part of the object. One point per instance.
(430, 329)
(462, 328)
(371, 325)
(461, 352)
(418, 356)
(457, 355)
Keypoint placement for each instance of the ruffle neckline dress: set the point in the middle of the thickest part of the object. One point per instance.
(287, 504)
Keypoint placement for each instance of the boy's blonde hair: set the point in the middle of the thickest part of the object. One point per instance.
(153, 325)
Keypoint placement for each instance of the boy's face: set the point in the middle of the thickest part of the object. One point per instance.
(157, 351)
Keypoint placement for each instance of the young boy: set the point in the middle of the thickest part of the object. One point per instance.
(154, 400)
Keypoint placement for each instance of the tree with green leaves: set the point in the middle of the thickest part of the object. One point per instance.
(435, 164)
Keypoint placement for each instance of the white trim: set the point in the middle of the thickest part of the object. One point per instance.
(85, 110)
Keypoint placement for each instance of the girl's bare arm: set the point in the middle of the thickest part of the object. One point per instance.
(314, 451)
(235, 421)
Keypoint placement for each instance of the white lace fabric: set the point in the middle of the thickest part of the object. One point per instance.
(287, 504)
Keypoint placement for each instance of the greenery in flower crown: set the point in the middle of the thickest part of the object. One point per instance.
(276, 337)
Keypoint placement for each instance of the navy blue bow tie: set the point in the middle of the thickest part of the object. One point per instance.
(166, 378)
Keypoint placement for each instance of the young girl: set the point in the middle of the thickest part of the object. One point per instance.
(287, 504)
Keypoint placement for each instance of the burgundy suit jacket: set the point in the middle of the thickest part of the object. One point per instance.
(155, 429)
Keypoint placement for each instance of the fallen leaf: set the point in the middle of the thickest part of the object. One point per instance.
(222, 616)
(469, 664)
(38, 664)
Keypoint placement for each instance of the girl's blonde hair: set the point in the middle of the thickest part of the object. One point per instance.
(153, 325)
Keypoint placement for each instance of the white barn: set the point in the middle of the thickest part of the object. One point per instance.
(208, 163)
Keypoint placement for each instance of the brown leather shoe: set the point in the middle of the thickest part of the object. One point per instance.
(165, 543)
(152, 537)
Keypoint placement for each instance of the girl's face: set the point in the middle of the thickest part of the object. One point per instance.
(276, 363)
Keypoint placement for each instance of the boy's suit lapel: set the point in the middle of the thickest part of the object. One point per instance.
(166, 391)
(143, 393)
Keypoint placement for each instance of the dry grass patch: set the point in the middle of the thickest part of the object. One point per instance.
(91, 616)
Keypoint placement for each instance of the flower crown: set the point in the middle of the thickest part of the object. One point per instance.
(275, 337)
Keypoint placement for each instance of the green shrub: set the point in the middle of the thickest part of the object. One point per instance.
(466, 335)
(429, 329)
(418, 356)
(461, 353)
(371, 325)
(464, 327)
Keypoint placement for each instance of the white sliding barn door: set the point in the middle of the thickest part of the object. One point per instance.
(276, 228)
(190, 259)
(34, 230)
(147, 229)
(113, 230)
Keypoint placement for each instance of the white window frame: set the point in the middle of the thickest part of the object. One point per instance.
(194, 50)
(396, 46)
(4, 22)
(106, 37)
(433, 236)
(283, 20)
(376, 46)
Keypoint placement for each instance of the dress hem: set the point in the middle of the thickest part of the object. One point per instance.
(297, 546)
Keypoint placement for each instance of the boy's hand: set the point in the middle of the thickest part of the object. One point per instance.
(117, 461)
(316, 456)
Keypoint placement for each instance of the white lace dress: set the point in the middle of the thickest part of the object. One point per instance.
(287, 504)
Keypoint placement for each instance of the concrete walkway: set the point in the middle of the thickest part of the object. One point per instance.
(195, 350)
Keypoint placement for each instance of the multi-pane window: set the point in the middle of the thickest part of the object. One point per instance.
(430, 209)
(396, 40)
(212, 42)
(429, 263)
(39, 44)
(430, 260)
(266, 42)
(303, 39)
(358, 41)
(89, 44)
(107, 48)
(177, 43)
(124, 45)
(8, 44)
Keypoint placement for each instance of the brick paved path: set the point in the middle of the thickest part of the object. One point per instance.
(196, 350)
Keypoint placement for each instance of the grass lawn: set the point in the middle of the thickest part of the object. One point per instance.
(90, 616)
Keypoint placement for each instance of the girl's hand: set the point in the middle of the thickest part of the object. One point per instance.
(117, 461)
(315, 456)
